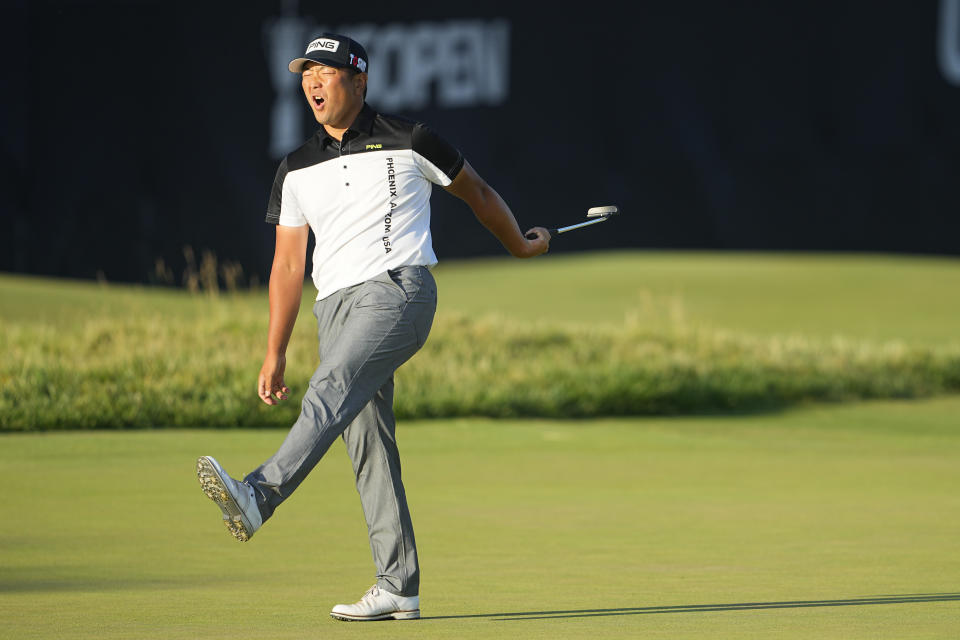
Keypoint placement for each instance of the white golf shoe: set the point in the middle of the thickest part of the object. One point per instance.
(236, 500)
(377, 604)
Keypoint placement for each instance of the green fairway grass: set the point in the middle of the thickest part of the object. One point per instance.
(823, 522)
(871, 297)
(581, 335)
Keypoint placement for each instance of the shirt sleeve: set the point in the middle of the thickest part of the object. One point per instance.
(439, 161)
(282, 208)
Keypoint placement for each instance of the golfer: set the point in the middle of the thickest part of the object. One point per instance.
(362, 184)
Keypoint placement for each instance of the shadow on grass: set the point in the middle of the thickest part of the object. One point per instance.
(704, 608)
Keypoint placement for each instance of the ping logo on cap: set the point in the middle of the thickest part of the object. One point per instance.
(323, 43)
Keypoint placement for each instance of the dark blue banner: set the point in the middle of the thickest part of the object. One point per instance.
(133, 130)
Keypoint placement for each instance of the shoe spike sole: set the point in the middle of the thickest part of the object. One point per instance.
(397, 615)
(213, 488)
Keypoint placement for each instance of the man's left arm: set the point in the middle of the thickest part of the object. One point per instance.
(496, 216)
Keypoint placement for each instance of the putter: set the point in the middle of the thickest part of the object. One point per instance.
(598, 214)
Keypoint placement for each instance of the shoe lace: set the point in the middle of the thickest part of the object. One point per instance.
(371, 593)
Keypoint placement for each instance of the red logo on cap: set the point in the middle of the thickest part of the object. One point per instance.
(357, 62)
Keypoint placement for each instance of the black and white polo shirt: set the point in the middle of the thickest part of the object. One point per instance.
(367, 198)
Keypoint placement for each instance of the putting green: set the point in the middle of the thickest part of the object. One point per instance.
(824, 522)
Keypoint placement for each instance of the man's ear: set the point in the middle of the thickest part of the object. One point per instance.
(360, 82)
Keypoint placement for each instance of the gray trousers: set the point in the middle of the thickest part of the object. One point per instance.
(366, 332)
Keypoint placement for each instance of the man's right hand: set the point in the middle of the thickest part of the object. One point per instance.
(286, 290)
(271, 387)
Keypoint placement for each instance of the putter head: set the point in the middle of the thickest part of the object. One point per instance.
(602, 212)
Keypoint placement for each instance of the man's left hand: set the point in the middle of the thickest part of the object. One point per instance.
(537, 245)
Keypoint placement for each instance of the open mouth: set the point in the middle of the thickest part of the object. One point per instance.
(317, 101)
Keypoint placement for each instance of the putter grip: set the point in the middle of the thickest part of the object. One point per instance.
(532, 236)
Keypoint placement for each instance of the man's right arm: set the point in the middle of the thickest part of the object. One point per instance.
(286, 291)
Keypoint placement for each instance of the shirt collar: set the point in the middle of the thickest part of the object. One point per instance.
(364, 121)
(362, 124)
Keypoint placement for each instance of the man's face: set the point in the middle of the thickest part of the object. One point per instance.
(333, 94)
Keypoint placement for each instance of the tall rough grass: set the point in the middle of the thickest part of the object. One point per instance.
(152, 371)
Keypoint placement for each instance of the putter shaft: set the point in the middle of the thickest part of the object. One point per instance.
(596, 214)
(554, 232)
